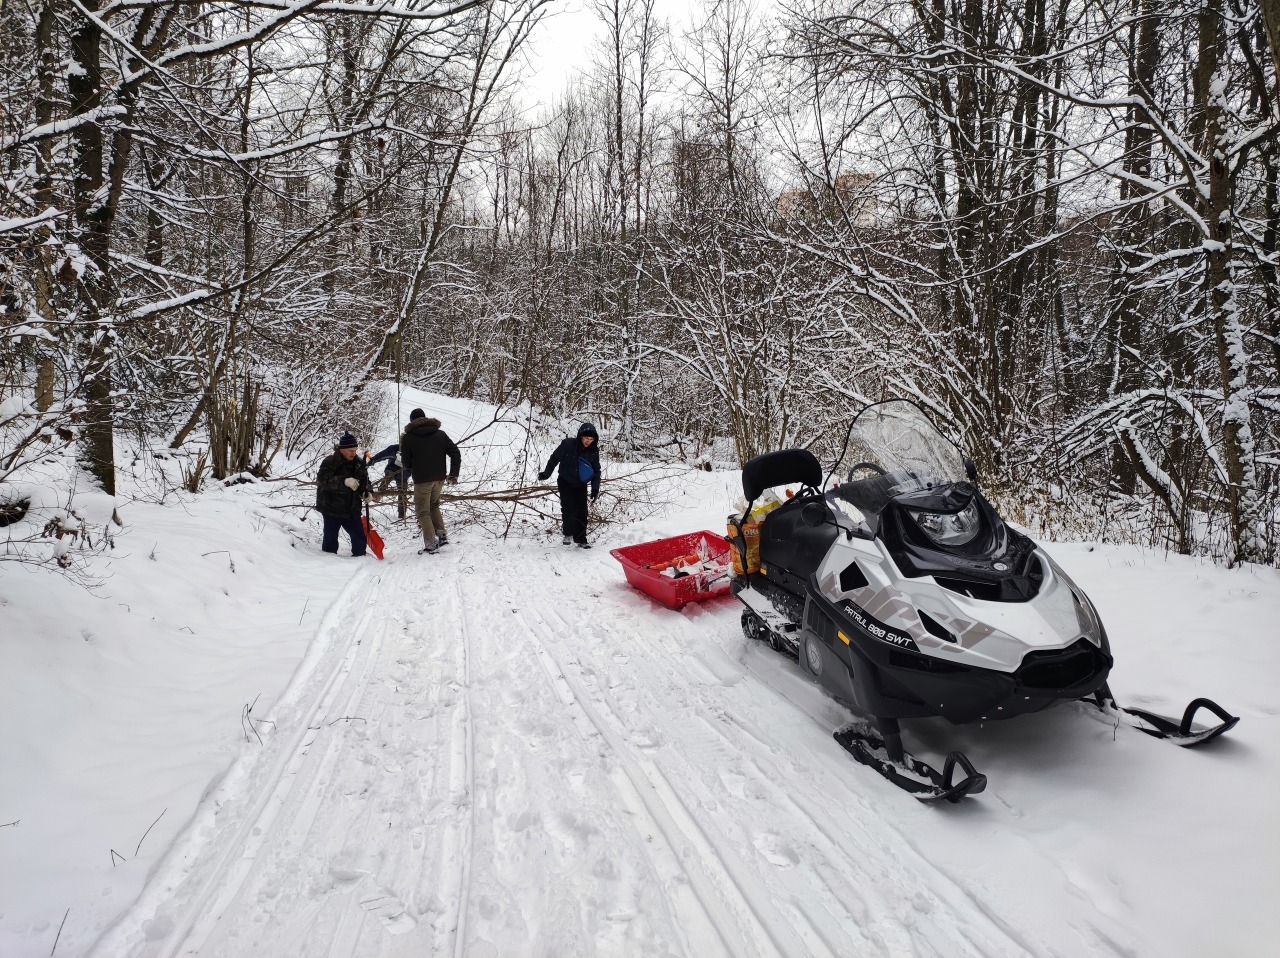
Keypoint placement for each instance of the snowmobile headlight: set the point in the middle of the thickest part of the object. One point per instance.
(1087, 615)
(949, 528)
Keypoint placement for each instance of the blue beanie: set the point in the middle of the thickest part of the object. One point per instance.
(347, 441)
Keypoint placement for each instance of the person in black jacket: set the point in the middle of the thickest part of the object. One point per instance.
(341, 486)
(579, 460)
(423, 449)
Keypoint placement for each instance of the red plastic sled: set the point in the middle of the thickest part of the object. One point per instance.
(638, 559)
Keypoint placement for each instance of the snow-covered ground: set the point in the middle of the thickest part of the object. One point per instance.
(503, 750)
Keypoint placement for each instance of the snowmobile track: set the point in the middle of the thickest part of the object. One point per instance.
(684, 840)
(348, 697)
(867, 809)
(988, 936)
(462, 783)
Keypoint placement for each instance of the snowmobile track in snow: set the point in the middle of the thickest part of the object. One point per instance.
(646, 791)
(432, 789)
(867, 820)
(798, 933)
(462, 781)
(759, 661)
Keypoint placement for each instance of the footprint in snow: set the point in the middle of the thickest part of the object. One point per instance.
(345, 873)
(775, 851)
(389, 910)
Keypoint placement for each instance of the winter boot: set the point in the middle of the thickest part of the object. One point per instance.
(430, 547)
(584, 545)
(443, 538)
(567, 540)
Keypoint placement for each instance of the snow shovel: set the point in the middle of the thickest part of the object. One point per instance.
(370, 533)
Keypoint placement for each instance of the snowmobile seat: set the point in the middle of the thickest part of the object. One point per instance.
(779, 468)
(788, 541)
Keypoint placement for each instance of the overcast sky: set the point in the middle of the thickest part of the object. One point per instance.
(567, 39)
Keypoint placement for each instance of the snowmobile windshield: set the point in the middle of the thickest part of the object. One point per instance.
(896, 444)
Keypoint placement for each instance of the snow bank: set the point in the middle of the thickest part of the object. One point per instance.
(122, 703)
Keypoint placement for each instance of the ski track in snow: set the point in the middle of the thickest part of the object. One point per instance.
(726, 750)
(486, 762)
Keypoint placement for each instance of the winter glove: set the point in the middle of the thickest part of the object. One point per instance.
(352, 483)
(453, 480)
(544, 476)
(368, 498)
(595, 496)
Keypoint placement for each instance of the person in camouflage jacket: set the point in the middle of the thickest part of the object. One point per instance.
(341, 487)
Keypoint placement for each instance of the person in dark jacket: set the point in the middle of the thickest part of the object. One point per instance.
(578, 459)
(341, 486)
(394, 471)
(423, 450)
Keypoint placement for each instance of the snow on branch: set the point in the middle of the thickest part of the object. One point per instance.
(284, 149)
(26, 222)
(57, 128)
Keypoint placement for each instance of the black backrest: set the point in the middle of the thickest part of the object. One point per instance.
(778, 469)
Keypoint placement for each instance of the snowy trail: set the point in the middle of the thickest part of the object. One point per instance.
(491, 758)
(488, 763)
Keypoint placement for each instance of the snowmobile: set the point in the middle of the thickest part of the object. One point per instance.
(900, 590)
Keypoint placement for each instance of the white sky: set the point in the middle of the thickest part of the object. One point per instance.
(564, 44)
(561, 47)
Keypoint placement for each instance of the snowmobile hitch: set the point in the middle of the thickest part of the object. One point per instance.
(909, 773)
(1179, 733)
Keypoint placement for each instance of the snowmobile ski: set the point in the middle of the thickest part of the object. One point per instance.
(911, 774)
(1181, 733)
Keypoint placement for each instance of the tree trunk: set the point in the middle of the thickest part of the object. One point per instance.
(1220, 295)
(1271, 18)
(1127, 319)
(84, 86)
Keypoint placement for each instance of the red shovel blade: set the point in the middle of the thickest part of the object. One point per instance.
(370, 533)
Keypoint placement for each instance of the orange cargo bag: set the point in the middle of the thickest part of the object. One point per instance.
(751, 536)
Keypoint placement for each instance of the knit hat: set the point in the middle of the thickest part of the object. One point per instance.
(417, 414)
(348, 441)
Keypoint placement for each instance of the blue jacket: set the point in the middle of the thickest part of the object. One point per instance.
(391, 455)
(579, 466)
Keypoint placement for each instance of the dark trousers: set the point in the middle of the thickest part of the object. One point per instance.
(329, 543)
(573, 511)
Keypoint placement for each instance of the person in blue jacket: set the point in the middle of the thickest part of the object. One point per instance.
(578, 458)
(394, 471)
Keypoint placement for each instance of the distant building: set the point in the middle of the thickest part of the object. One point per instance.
(850, 197)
